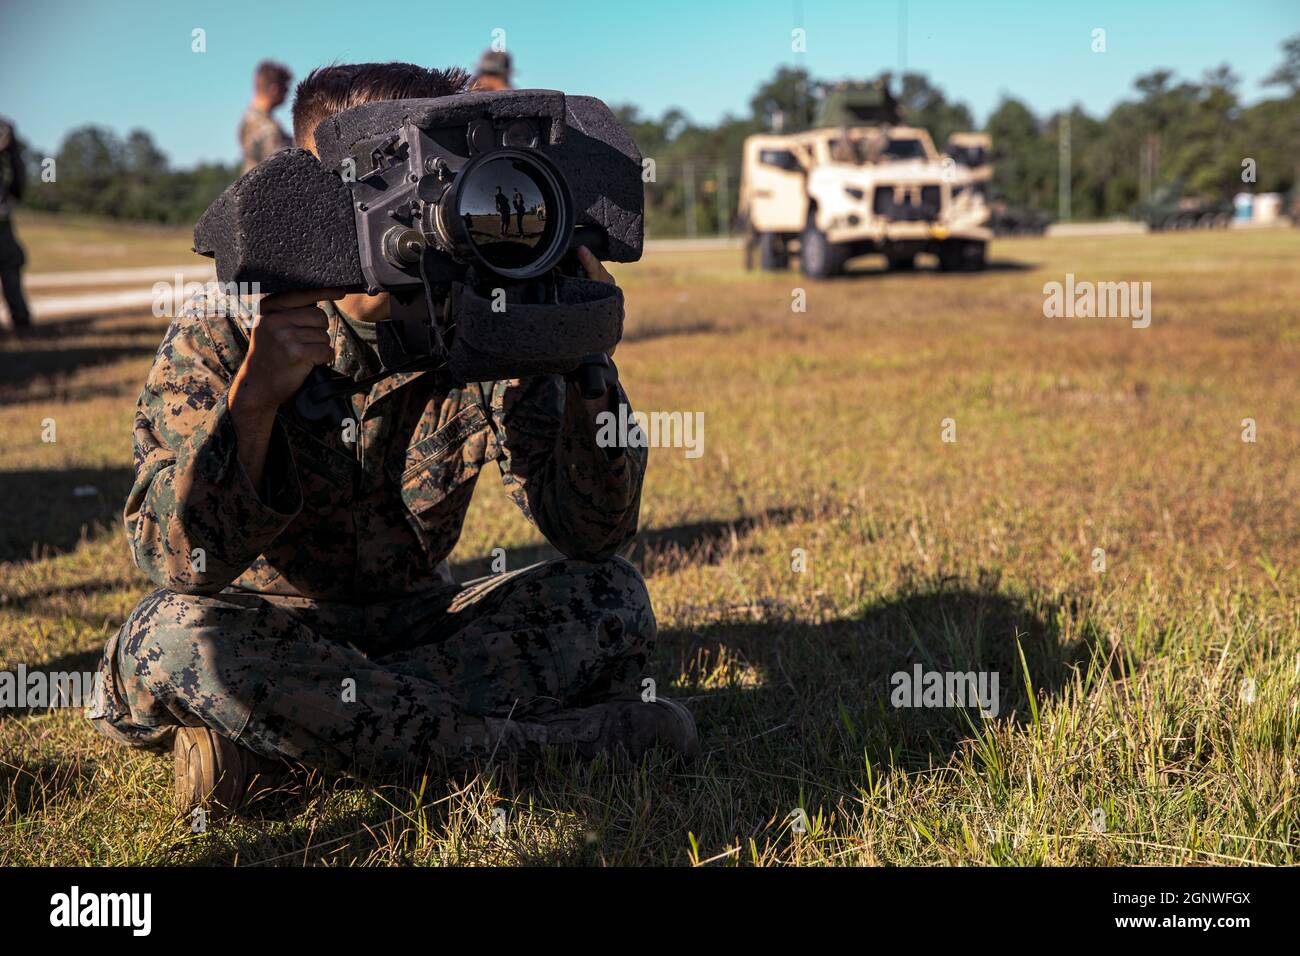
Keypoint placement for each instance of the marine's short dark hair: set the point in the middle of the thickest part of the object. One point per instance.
(332, 89)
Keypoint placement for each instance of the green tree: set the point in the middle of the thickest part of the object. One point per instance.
(1288, 72)
(90, 173)
(926, 106)
(787, 101)
(1023, 157)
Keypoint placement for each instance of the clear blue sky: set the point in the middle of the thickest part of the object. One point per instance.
(128, 63)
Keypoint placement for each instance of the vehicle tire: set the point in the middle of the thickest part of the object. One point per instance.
(961, 255)
(819, 258)
(950, 255)
(901, 263)
(772, 253)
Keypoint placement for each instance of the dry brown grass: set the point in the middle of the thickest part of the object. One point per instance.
(1120, 691)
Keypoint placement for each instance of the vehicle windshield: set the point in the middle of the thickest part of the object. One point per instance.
(905, 149)
(847, 151)
(970, 155)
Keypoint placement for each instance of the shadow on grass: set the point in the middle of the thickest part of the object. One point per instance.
(790, 713)
(859, 269)
(656, 550)
(822, 695)
(32, 786)
(50, 368)
(83, 326)
(45, 510)
(46, 601)
(644, 333)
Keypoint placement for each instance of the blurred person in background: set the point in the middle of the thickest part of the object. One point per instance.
(494, 70)
(259, 134)
(13, 179)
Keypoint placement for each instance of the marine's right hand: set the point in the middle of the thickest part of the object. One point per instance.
(289, 337)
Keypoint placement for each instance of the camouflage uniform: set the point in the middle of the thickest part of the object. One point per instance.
(12, 180)
(260, 136)
(315, 617)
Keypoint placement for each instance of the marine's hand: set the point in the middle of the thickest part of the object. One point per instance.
(289, 337)
(594, 268)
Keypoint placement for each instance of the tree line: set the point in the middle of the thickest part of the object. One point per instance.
(1194, 138)
(97, 173)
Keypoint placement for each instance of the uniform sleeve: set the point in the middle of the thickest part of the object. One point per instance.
(261, 139)
(585, 499)
(194, 519)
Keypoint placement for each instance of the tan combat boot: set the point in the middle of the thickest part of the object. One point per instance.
(214, 772)
(632, 725)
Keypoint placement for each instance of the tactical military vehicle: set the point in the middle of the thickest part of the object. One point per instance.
(859, 184)
(1168, 209)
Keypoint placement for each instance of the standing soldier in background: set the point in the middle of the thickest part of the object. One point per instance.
(493, 71)
(13, 177)
(518, 203)
(503, 208)
(259, 134)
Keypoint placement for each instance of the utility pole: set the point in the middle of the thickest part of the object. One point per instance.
(1063, 176)
(902, 38)
(690, 200)
(724, 208)
(1144, 182)
(1153, 161)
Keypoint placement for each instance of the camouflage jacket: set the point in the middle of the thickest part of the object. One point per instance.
(355, 521)
(260, 136)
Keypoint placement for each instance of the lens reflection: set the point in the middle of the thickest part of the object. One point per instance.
(503, 207)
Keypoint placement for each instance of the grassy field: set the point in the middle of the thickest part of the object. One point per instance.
(1148, 711)
(66, 244)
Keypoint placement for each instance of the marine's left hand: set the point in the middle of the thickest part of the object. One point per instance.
(594, 268)
(597, 272)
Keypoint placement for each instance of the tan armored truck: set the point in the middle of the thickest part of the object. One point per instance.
(854, 190)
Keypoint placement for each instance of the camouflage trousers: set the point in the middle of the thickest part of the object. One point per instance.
(377, 686)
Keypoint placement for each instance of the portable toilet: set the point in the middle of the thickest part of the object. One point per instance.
(1268, 207)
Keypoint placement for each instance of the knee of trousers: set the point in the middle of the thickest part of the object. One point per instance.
(179, 654)
(163, 633)
(614, 590)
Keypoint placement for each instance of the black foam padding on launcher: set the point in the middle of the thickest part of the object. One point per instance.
(338, 135)
(285, 224)
(603, 166)
(533, 339)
